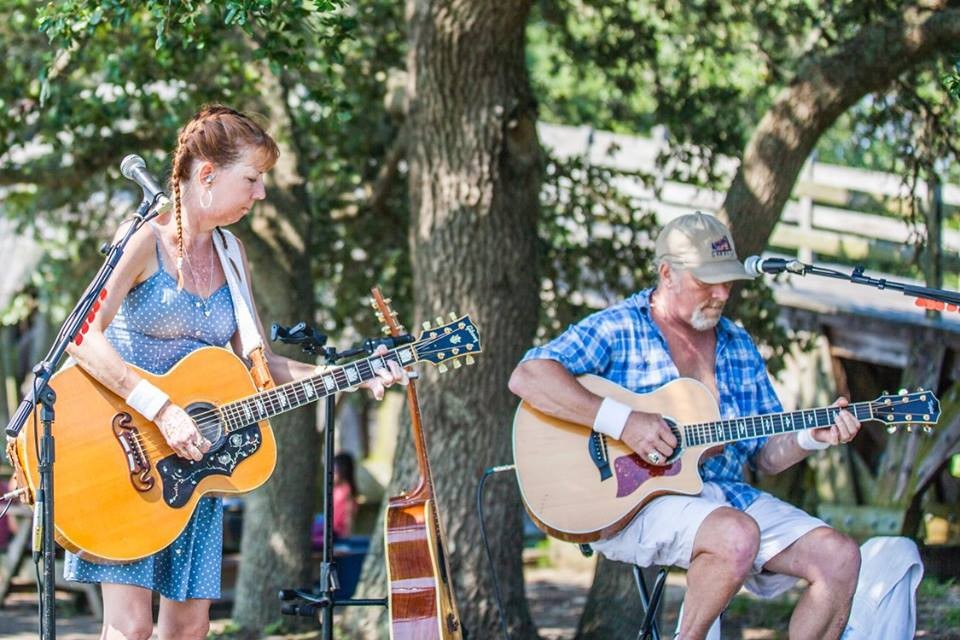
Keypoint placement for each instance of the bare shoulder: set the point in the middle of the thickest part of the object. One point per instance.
(139, 259)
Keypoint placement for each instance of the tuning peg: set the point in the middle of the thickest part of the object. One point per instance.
(386, 330)
(426, 325)
(892, 429)
(903, 391)
(373, 302)
(394, 314)
(442, 368)
(453, 316)
(909, 428)
(927, 429)
(387, 300)
(439, 320)
(380, 317)
(457, 364)
(469, 360)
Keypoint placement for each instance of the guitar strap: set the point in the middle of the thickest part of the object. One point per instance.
(251, 342)
(19, 479)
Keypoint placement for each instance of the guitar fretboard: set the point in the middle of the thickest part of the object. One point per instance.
(771, 424)
(289, 396)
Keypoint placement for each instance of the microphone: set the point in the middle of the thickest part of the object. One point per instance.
(134, 168)
(757, 266)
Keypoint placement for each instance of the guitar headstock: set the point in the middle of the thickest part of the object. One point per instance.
(445, 343)
(448, 343)
(920, 407)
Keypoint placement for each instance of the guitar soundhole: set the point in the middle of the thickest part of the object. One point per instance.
(207, 419)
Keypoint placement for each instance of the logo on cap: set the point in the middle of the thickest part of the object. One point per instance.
(721, 248)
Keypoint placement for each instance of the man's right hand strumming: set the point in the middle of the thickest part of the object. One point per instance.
(649, 436)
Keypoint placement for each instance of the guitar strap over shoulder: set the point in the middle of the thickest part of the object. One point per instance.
(251, 343)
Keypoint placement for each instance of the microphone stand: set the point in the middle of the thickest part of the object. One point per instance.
(856, 276)
(73, 328)
(312, 342)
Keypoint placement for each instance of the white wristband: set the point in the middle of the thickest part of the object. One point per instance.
(806, 441)
(611, 418)
(147, 400)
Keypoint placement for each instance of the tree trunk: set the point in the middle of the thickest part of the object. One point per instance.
(275, 545)
(474, 177)
(823, 89)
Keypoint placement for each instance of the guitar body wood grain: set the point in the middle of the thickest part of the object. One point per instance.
(561, 486)
(110, 507)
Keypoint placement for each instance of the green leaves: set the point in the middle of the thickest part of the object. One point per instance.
(596, 245)
(97, 80)
(951, 81)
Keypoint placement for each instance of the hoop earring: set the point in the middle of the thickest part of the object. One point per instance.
(209, 199)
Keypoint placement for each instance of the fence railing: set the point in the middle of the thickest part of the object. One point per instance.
(835, 212)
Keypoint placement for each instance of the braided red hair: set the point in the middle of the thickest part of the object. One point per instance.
(220, 135)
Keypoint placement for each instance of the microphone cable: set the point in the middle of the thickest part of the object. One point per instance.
(489, 471)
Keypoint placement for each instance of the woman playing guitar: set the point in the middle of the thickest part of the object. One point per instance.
(168, 297)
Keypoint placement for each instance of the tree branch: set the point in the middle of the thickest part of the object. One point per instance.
(824, 88)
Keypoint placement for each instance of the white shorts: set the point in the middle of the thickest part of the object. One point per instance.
(662, 533)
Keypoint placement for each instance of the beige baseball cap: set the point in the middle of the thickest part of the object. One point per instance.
(702, 245)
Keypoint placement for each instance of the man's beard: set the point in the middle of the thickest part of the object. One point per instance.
(700, 321)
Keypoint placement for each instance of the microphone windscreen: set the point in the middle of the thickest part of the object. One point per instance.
(129, 164)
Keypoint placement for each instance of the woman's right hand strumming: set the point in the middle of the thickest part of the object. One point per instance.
(181, 433)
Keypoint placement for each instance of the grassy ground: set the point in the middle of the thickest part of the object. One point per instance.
(557, 595)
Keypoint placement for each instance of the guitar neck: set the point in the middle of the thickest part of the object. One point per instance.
(771, 424)
(292, 395)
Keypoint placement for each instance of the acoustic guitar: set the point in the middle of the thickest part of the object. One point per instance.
(580, 486)
(122, 493)
(421, 599)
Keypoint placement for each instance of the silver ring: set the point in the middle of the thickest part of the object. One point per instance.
(654, 457)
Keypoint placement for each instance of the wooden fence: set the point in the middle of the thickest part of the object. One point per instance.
(836, 212)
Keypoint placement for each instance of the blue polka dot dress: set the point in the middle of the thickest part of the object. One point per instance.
(154, 329)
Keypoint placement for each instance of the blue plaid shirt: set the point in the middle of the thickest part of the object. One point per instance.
(624, 345)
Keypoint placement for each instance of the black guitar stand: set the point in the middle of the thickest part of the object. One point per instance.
(321, 601)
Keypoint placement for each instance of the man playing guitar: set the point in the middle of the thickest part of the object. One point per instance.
(732, 534)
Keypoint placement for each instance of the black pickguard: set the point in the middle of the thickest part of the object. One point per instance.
(180, 477)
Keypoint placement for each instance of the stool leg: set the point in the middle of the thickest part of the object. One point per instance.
(650, 602)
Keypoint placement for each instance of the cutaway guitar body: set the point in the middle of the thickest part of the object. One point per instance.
(560, 466)
(581, 486)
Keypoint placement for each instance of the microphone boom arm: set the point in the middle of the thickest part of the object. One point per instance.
(857, 276)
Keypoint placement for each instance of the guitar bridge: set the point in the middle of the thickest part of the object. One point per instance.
(128, 437)
(597, 447)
